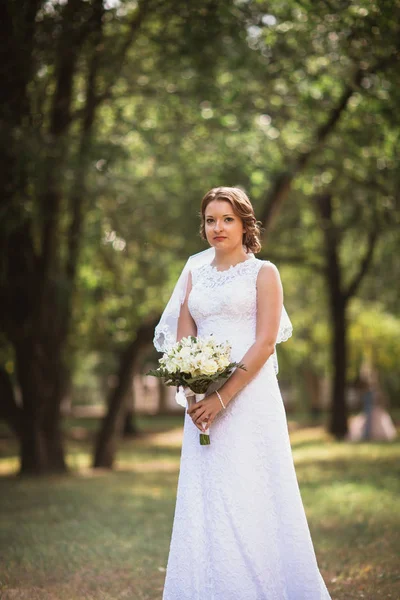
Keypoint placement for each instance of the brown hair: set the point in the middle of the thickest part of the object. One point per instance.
(242, 207)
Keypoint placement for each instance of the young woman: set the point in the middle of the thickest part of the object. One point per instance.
(240, 530)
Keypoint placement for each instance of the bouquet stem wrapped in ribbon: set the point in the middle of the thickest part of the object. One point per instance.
(190, 397)
(193, 364)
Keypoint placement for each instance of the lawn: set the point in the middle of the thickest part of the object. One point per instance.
(105, 535)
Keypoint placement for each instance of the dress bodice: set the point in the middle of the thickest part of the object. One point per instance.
(224, 303)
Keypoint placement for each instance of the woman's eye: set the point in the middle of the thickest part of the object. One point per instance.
(227, 219)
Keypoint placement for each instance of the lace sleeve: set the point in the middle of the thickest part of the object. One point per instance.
(284, 333)
(166, 330)
(285, 326)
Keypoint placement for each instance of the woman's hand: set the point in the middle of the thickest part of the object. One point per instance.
(205, 411)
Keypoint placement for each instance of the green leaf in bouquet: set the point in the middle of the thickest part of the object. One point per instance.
(155, 373)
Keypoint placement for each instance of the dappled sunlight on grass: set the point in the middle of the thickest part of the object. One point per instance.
(9, 466)
(106, 524)
(96, 533)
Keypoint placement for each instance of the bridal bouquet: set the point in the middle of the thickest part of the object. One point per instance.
(194, 364)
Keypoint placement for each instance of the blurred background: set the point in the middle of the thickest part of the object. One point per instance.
(116, 117)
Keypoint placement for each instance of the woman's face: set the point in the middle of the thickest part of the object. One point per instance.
(224, 229)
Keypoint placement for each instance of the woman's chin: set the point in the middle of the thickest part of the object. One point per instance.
(220, 244)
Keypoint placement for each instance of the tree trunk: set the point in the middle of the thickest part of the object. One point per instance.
(37, 269)
(42, 452)
(337, 306)
(42, 392)
(112, 423)
(130, 428)
(339, 296)
(162, 398)
(339, 411)
(313, 386)
(9, 410)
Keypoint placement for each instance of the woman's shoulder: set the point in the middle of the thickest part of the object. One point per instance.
(268, 271)
(196, 271)
(267, 265)
(197, 268)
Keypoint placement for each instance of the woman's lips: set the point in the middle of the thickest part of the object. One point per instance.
(220, 237)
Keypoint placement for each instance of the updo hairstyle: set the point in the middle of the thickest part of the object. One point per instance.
(242, 207)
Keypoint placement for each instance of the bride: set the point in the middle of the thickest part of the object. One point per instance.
(240, 531)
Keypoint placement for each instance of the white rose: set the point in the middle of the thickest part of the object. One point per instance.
(172, 365)
(185, 365)
(209, 367)
(205, 356)
(185, 353)
(223, 362)
(197, 361)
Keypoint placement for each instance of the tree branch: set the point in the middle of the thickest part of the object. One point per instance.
(296, 259)
(282, 185)
(71, 39)
(364, 265)
(78, 188)
(332, 268)
(134, 26)
(78, 20)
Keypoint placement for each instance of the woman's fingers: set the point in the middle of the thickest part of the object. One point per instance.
(200, 416)
(194, 408)
(206, 420)
(200, 419)
(200, 422)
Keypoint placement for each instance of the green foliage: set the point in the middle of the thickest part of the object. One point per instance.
(224, 93)
(375, 336)
(193, 122)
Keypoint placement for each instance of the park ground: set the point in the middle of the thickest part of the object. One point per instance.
(101, 535)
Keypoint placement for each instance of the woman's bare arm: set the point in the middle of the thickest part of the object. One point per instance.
(186, 324)
(269, 309)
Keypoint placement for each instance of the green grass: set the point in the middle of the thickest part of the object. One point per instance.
(105, 535)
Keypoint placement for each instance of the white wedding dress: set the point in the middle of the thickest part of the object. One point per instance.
(240, 530)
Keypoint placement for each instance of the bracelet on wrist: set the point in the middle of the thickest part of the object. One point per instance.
(220, 399)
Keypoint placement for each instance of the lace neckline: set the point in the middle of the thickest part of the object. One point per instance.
(232, 267)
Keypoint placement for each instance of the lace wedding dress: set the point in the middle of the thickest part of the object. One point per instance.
(240, 530)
